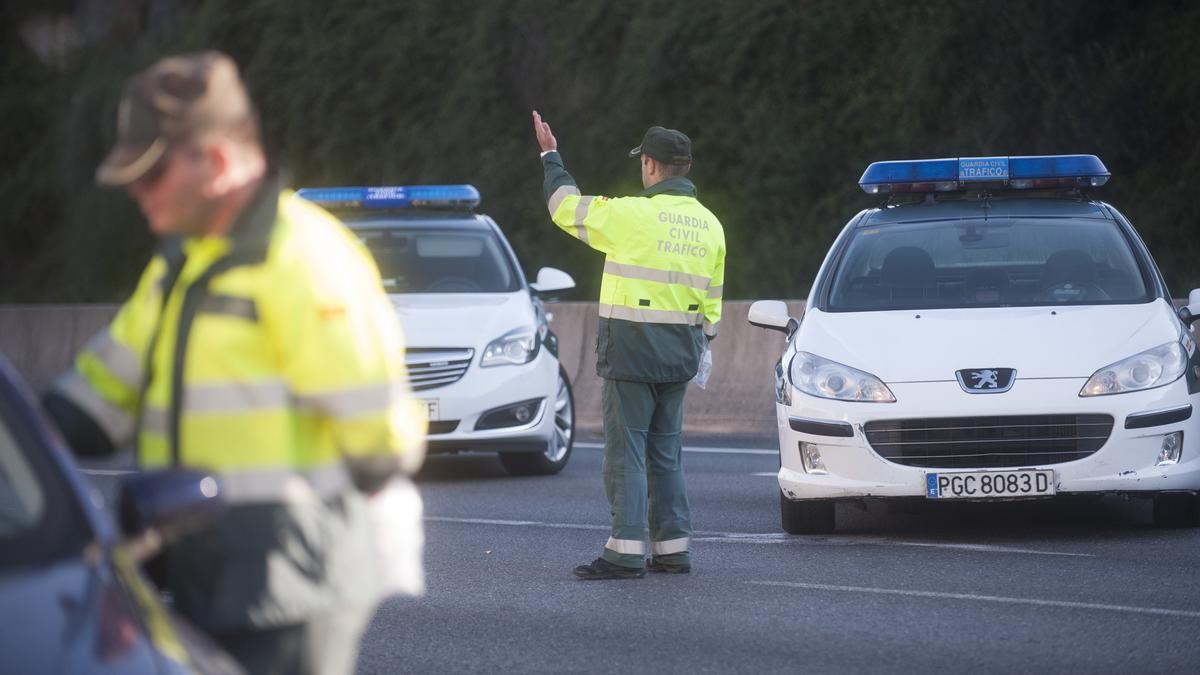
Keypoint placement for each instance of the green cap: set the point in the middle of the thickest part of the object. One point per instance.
(171, 101)
(665, 145)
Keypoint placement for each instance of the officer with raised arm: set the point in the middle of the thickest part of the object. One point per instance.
(660, 304)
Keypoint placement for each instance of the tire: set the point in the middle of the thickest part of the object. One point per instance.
(562, 441)
(806, 517)
(1176, 510)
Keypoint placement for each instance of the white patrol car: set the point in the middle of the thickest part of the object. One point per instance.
(991, 332)
(480, 351)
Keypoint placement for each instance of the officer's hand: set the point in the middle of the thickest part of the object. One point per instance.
(545, 137)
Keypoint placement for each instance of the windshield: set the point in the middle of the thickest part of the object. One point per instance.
(440, 261)
(986, 263)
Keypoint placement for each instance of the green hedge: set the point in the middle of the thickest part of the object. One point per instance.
(786, 102)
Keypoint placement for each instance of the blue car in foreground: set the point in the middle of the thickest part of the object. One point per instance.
(71, 595)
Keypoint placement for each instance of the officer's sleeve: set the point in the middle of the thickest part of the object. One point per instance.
(584, 217)
(342, 355)
(94, 403)
(712, 302)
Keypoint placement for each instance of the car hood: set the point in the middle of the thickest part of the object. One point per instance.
(461, 320)
(1039, 342)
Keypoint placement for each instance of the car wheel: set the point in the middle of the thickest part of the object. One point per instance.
(806, 517)
(562, 440)
(1176, 509)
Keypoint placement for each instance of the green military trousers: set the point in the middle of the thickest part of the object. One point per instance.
(643, 472)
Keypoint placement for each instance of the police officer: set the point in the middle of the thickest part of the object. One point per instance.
(258, 345)
(660, 304)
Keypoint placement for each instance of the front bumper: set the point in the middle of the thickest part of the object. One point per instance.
(1125, 463)
(462, 404)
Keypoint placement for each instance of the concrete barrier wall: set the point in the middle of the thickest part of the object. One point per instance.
(41, 341)
(739, 399)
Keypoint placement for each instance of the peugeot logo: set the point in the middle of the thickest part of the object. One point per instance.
(986, 380)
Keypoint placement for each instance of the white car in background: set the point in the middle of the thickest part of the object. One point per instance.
(480, 351)
(991, 332)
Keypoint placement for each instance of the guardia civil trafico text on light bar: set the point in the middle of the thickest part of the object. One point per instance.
(1004, 173)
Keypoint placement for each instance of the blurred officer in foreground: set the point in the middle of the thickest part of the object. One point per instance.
(259, 346)
(660, 303)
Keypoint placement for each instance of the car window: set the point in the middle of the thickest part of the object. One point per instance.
(22, 501)
(440, 261)
(40, 516)
(986, 263)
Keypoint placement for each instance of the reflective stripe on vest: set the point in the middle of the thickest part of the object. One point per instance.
(641, 315)
(154, 420)
(237, 397)
(354, 401)
(120, 360)
(640, 273)
(580, 215)
(559, 195)
(296, 486)
(230, 305)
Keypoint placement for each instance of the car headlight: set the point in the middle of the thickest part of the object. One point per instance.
(1152, 368)
(823, 378)
(513, 348)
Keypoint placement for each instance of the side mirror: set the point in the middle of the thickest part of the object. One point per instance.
(1191, 312)
(551, 281)
(773, 315)
(167, 504)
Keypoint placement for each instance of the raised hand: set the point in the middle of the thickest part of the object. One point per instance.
(545, 137)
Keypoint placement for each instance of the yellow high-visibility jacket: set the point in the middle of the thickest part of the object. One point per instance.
(664, 273)
(272, 358)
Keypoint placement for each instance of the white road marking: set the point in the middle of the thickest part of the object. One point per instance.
(982, 548)
(699, 450)
(765, 474)
(1156, 611)
(517, 523)
(108, 472)
(766, 537)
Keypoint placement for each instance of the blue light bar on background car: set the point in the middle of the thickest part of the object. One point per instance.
(395, 197)
(1014, 173)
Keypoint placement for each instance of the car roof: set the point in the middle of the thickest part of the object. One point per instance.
(954, 209)
(450, 220)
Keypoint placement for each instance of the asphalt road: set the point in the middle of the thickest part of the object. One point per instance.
(1031, 586)
(1044, 586)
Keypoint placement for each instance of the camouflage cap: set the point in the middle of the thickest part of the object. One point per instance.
(172, 101)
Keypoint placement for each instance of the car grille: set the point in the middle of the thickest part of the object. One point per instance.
(432, 368)
(988, 442)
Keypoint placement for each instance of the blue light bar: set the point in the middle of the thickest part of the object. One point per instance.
(394, 197)
(1013, 173)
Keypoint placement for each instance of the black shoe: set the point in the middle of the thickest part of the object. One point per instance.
(602, 569)
(654, 565)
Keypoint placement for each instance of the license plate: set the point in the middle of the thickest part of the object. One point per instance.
(989, 484)
(431, 409)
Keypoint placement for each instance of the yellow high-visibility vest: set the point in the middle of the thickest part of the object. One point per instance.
(664, 273)
(269, 357)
